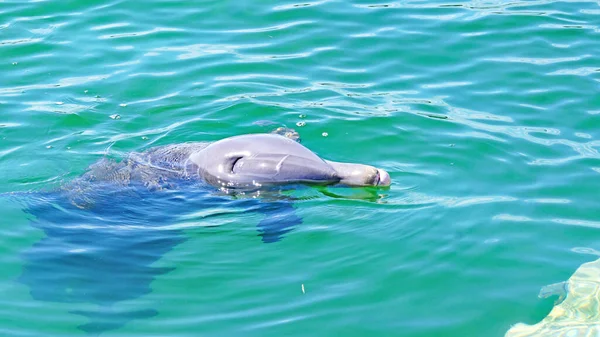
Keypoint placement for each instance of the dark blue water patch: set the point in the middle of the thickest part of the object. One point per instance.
(104, 253)
(279, 218)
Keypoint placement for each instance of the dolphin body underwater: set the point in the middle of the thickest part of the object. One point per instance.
(105, 229)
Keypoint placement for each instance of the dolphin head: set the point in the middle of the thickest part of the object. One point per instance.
(255, 160)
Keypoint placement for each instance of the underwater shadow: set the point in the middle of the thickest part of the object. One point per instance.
(103, 254)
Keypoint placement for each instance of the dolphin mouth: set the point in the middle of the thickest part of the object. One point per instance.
(383, 178)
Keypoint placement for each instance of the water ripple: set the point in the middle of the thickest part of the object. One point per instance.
(584, 71)
(110, 26)
(200, 50)
(64, 82)
(297, 5)
(539, 60)
(139, 33)
(269, 29)
(19, 41)
(484, 113)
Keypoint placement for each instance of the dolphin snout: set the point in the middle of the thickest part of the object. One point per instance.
(360, 175)
(384, 178)
(369, 175)
(377, 177)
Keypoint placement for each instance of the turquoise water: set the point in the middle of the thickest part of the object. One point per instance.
(486, 115)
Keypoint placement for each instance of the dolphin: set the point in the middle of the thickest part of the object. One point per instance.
(105, 230)
(246, 162)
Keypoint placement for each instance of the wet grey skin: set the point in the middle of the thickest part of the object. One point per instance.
(242, 163)
(257, 160)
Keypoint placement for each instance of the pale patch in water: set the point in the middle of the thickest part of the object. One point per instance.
(577, 315)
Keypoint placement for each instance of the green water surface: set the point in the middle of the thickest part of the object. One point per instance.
(486, 114)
